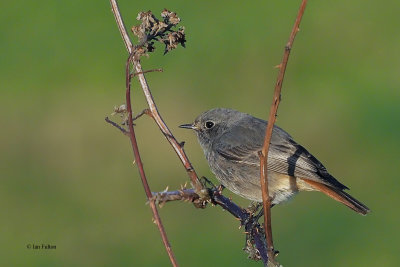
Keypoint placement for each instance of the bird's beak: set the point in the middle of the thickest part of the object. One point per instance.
(188, 126)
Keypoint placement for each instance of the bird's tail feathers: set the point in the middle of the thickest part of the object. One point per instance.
(339, 195)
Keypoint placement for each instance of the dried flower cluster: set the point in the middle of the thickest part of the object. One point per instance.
(152, 29)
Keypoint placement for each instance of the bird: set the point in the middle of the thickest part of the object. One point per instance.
(231, 141)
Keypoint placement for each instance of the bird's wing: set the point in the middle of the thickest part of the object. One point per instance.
(242, 144)
(293, 159)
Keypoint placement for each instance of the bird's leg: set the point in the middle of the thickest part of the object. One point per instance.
(254, 206)
(261, 212)
(207, 183)
(210, 186)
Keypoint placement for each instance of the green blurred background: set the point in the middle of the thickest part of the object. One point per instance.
(67, 177)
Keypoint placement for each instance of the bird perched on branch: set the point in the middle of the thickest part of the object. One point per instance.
(231, 141)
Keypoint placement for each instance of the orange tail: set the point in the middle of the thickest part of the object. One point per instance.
(339, 195)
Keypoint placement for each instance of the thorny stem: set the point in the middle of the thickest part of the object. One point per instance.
(268, 133)
(139, 163)
(132, 136)
(252, 227)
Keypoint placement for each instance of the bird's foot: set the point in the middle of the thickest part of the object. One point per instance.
(254, 207)
(255, 211)
(210, 186)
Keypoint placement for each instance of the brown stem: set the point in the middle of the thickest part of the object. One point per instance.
(132, 136)
(139, 163)
(147, 71)
(268, 133)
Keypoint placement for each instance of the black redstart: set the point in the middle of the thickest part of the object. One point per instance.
(231, 141)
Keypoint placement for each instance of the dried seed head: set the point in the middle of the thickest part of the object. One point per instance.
(173, 39)
(170, 17)
(138, 31)
(147, 18)
(151, 29)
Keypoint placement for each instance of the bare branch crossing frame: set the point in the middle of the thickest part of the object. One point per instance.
(200, 195)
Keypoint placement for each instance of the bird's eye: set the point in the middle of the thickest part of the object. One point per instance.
(209, 124)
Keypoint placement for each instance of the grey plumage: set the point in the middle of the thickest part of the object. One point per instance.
(231, 141)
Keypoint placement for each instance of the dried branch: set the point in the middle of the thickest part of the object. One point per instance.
(199, 196)
(255, 238)
(147, 71)
(148, 19)
(116, 125)
(186, 195)
(140, 166)
(132, 136)
(268, 134)
(151, 29)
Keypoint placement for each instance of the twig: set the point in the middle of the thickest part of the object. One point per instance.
(140, 166)
(188, 195)
(268, 133)
(116, 125)
(132, 136)
(147, 71)
(140, 114)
